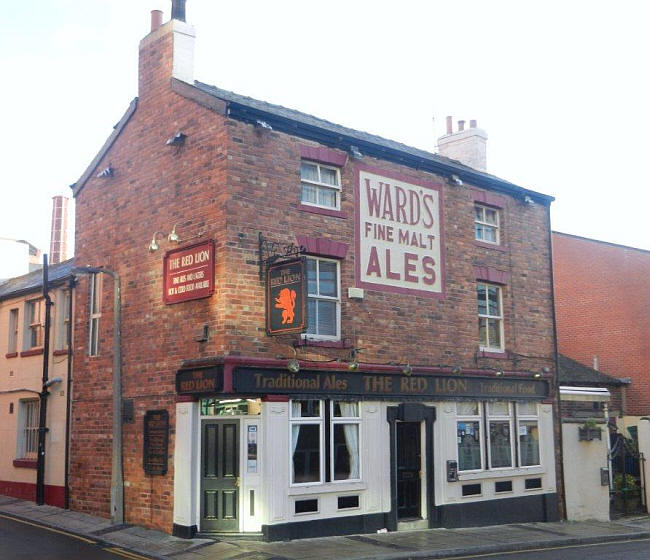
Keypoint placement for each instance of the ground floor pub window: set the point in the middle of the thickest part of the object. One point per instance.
(230, 407)
(324, 441)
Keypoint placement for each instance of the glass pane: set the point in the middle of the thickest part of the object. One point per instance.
(529, 443)
(490, 234)
(499, 409)
(478, 231)
(327, 285)
(327, 197)
(328, 176)
(312, 286)
(500, 450)
(305, 409)
(494, 333)
(467, 408)
(311, 316)
(346, 451)
(527, 409)
(491, 216)
(326, 322)
(305, 442)
(478, 213)
(469, 446)
(343, 409)
(308, 171)
(481, 299)
(482, 334)
(308, 193)
(493, 300)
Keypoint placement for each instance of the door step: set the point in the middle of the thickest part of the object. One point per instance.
(230, 536)
(413, 524)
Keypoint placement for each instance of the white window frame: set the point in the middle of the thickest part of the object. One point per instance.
(344, 421)
(95, 313)
(33, 324)
(529, 418)
(320, 186)
(12, 342)
(28, 425)
(481, 425)
(485, 344)
(302, 421)
(317, 296)
(485, 224)
(495, 417)
(62, 318)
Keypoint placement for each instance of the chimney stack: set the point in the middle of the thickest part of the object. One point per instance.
(156, 19)
(59, 234)
(467, 146)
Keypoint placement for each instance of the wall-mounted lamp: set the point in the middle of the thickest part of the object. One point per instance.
(546, 370)
(173, 236)
(356, 153)
(293, 365)
(537, 375)
(259, 123)
(529, 201)
(153, 246)
(456, 370)
(106, 172)
(455, 180)
(205, 334)
(498, 373)
(353, 364)
(52, 381)
(177, 140)
(407, 369)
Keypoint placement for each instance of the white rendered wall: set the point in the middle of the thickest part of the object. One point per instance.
(585, 497)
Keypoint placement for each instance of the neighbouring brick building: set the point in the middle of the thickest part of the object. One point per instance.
(421, 392)
(602, 299)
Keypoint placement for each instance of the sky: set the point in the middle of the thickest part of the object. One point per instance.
(562, 89)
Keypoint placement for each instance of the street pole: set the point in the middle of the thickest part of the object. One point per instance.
(117, 472)
(40, 460)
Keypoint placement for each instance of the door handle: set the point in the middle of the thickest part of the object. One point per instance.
(237, 481)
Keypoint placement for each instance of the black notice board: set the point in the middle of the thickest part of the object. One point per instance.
(156, 442)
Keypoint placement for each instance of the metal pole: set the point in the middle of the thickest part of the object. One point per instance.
(40, 461)
(117, 472)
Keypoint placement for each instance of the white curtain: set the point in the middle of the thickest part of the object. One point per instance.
(295, 432)
(351, 432)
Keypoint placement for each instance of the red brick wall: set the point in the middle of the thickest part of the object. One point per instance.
(602, 298)
(229, 182)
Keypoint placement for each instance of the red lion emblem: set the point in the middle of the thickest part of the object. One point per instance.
(287, 302)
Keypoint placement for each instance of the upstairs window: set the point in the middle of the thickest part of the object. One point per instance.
(323, 299)
(320, 185)
(95, 314)
(490, 317)
(12, 345)
(62, 310)
(33, 324)
(486, 224)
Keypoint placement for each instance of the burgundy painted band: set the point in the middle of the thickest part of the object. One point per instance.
(34, 352)
(25, 463)
(11, 355)
(62, 352)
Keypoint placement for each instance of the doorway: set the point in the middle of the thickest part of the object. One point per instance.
(220, 479)
(409, 469)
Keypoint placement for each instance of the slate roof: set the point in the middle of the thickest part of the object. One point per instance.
(577, 374)
(33, 282)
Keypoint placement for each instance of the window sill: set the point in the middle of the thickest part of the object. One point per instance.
(32, 352)
(11, 355)
(495, 246)
(333, 213)
(327, 488)
(61, 352)
(492, 354)
(324, 343)
(25, 463)
(501, 473)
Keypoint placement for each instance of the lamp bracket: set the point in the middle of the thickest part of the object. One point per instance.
(273, 251)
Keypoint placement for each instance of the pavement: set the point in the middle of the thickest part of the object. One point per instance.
(427, 543)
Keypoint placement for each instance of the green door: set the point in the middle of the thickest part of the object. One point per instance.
(220, 476)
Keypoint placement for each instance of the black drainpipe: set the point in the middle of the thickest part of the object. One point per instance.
(66, 465)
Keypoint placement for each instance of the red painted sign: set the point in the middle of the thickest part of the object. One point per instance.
(188, 273)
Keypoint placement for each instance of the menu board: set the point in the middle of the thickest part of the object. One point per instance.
(156, 442)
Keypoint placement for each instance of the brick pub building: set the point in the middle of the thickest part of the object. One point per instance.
(420, 390)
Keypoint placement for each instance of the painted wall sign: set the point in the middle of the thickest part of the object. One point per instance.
(156, 442)
(188, 273)
(286, 297)
(385, 386)
(199, 381)
(398, 234)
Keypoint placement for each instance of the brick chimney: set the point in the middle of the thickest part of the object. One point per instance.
(469, 146)
(166, 52)
(59, 233)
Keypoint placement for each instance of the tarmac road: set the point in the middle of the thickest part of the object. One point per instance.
(22, 540)
(623, 550)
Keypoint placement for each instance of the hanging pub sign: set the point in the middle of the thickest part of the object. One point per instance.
(286, 298)
(188, 273)
(156, 442)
